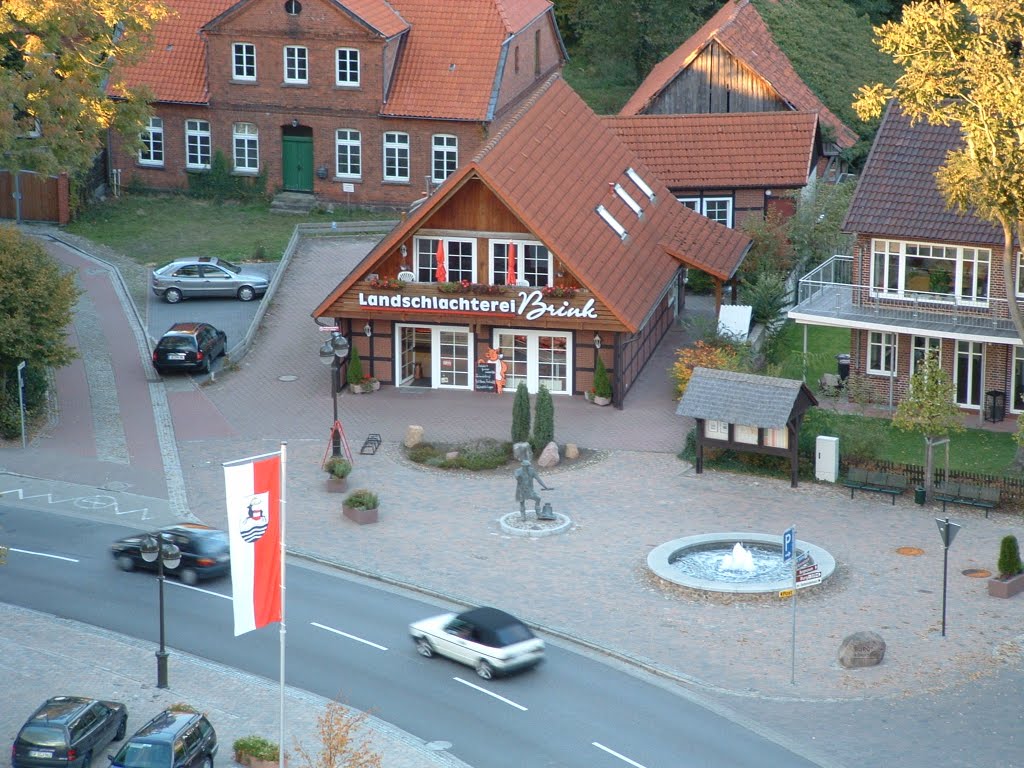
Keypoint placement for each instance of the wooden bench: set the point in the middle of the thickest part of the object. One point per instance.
(879, 482)
(969, 495)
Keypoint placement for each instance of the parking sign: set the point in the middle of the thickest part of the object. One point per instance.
(787, 544)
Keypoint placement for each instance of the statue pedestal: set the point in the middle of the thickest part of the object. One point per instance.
(514, 525)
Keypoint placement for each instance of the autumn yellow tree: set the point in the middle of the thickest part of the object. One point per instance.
(701, 355)
(57, 59)
(343, 743)
(962, 65)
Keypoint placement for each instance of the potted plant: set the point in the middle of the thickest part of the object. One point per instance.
(354, 374)
(602, 386)
(337, 468)
(1010, 580)
(256, 752)
(361, 506)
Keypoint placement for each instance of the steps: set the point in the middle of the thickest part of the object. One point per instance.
(301, 203)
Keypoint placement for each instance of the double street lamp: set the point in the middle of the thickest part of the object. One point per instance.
(165, 554)
(333, 353)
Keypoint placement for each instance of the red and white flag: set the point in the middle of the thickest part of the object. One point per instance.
(253, 492)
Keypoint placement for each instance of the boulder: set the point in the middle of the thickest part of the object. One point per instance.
(862, 649)
(413, 436)
(451, 456)
(549, 457)
(572, 451)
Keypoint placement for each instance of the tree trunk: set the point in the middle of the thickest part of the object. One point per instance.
(1009, 256)
(929, 468)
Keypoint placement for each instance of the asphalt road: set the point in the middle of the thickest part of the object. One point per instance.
(349, 638)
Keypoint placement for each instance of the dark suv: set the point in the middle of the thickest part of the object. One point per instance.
(170, 740)
(66, 731)
(190, 346)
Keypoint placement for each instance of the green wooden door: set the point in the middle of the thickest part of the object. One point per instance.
(297, 163)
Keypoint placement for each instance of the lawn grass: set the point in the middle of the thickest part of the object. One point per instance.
(154, 229)
(823, 344)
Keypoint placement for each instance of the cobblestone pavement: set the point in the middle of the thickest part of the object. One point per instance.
(440, 532)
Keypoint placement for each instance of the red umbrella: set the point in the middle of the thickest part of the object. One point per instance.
(441, 273)
(510, 272)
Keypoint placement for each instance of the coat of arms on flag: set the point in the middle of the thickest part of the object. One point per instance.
(254, 521)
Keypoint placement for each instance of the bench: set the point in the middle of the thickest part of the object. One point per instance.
(969, 495)
(879, 482)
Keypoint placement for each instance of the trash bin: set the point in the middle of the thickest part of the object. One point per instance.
(843, 366)
(919, 495)
(995, 405)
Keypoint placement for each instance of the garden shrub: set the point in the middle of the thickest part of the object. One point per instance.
(354, 375)
(1009, 557)
(543, 420)
(602, 385)
(521, 415)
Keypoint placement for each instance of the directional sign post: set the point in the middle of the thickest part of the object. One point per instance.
(948, 532)
(788, 547)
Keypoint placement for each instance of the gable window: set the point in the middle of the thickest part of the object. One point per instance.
(197, 144)
(152, 152)
(715, 208)
(459, 259)
(349, 152)
(292, 7)
(930, 272)
(882, 353)
(246, 141)
(296, 64)
(923, 346)
(446, 156)
(396, 156)
(243, 59)
(348, 67)
(533, 263)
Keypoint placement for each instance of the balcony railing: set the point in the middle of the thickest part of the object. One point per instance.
(828, 291)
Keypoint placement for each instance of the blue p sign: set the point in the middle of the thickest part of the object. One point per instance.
(787, 544)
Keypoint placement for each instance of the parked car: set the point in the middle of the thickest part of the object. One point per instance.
(487, 639)
(206, 276)
(66, 731)
(204, 552)
(172, 739)
(189, 346)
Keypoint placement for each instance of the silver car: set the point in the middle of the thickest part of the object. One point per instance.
(206, 276)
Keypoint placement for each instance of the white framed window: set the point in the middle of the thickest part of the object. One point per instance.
(348, 152)
(536, 358)
(296, 64)
(921, 347)
(1016, 398)
(715, 208)
(347, 69)
(459, 258)
(197, 144)
(243, 61)
(882, 353)
(533, 263)
(445, 157)
(930, 271)
(715, 429)
(152, 152)
(246, 142)
(396, 156)
(967, 373)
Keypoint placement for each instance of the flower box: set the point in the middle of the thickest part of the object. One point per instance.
(1006, 587)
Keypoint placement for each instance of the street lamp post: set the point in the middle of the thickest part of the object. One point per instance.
(166, 555)
(333, 353)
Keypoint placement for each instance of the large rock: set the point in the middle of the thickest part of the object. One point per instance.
(862, 649)
(413, 436)
(572, 451)
(549, 457)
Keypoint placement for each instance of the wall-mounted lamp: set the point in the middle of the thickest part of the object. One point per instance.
(321, 172)
(597, 341)
(368, 330)
(295, 123)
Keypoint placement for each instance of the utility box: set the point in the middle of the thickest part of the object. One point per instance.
(826, 459)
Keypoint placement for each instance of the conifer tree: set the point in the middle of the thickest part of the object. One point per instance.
(521, 415)
(543, 420)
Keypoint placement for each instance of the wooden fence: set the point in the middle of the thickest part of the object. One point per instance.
(30, 196)
(1011, 489)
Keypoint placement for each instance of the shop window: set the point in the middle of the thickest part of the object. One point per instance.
(533, 263)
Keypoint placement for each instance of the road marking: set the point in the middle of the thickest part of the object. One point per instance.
(613, 753)
(491, 693)
(90, 502)
(44, 554)
(350, 637)
(200, 589)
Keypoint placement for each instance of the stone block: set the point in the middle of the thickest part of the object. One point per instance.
(572, 451)
(862, 649)
(413, 436)
(549, 457)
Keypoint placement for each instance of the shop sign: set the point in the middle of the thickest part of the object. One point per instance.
(530, 305)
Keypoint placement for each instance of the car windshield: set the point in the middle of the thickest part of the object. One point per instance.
(512, 633)
(141, 754)
(211, 543)
(42, 736)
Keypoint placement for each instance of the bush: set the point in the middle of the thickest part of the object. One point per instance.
(257, 747)
(354, 375)
(475, 455)
(362, 499)
(767, 295)
(543, 420)
(1009, 558)
(698, 282)
(338, 467)
(521, 415)
(220, 184)
(602, 386)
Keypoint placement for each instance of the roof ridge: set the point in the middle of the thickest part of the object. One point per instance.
(524, 106)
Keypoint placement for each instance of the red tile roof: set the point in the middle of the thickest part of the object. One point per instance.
(553, 165)
(730, 150)
(378, 14)
(897, 195)
(739, 28)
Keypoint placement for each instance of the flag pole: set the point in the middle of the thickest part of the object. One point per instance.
(284, 518)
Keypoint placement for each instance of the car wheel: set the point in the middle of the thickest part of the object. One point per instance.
(122, 728)
(172, 295)
(190, 577)
(125, 563)
(484, 670)
(246, 293)
(424, 648)
(207, 762)
(207, 363)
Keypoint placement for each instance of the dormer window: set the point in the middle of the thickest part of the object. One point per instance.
(293, 7)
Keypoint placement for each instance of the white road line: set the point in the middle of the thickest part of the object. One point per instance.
(613, 753)
(44, 554)
(490, 693)
(199, 589)
(350, 637)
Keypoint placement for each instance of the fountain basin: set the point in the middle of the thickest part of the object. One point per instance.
(662, 560)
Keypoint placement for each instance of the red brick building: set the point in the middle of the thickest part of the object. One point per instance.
(362, 101)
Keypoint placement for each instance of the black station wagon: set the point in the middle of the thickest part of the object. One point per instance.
(66, 731)
(172, 739)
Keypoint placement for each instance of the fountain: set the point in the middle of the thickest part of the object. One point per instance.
(741, 562)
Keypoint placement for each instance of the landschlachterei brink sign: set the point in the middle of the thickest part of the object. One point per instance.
(529, 306)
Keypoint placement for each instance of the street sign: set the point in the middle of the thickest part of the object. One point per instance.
(947, 531)
(329, 327)
(787, 544)
(786, 593)
(808, 582)
(809, 576)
